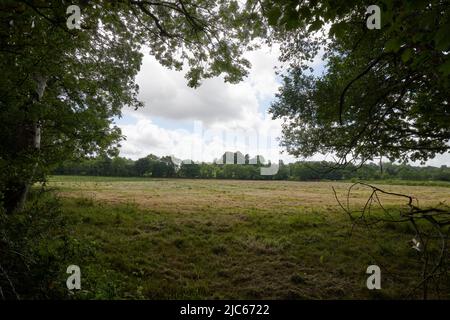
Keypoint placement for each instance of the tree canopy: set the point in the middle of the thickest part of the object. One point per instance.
(384, 92)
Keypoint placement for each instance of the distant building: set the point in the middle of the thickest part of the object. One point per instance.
(239, 158)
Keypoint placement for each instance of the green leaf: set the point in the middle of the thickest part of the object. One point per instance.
(316, 25)
(442, 38)
(393, 45)
(445, 68)
(273, 15)
(338, 29)
(406, 55)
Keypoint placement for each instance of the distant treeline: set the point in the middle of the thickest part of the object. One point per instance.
(238, 166)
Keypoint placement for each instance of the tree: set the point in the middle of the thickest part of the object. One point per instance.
(189, 170)
(61, 88)
(170, 171)
(142, 166)
(283, 171)
(384, 93)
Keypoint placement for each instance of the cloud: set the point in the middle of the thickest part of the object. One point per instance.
(216, 117)
(201, 124)
(166, 94)
(201, 143)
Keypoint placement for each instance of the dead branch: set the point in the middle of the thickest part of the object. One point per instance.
(429, 224)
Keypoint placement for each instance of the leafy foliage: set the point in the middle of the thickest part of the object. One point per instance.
(35, 250)
(384, 93)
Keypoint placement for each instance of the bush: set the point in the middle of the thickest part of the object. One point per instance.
(34, 250)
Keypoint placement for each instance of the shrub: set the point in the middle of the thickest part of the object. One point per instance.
(34, 250)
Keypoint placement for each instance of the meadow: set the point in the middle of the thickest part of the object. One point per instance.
(147, 238)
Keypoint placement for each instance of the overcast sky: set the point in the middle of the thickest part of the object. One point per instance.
(201, 124)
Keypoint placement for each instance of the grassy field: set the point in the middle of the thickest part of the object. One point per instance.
(226, 239)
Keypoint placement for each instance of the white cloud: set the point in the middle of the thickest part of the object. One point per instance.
(439, 160)
(220, 116)
(216, 111)
(166, 94)
(201, 143)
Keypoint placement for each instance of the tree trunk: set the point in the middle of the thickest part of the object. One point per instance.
(28, 139)
(36, 136)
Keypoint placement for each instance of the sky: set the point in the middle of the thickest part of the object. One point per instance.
(202, 123)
